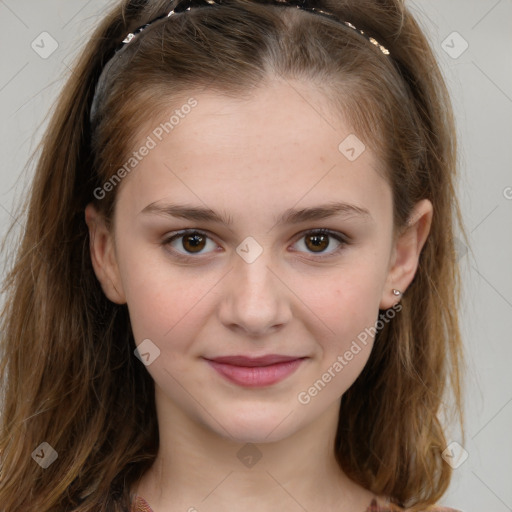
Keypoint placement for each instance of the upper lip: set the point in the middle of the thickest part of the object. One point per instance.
(254, 361)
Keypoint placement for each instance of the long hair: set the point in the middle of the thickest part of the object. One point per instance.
(67, 370)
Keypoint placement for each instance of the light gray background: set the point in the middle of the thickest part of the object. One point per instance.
(480, 80)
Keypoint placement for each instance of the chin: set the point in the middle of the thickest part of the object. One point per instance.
(257, 426)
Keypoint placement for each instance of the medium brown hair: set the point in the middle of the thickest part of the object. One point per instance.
(68, 373)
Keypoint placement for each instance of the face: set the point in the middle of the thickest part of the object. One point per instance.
(252, 276)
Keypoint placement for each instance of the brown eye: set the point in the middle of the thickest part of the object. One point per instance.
(193, 242)
(190, 242)
(317, 242)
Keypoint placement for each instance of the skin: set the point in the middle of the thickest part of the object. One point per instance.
(233, 157)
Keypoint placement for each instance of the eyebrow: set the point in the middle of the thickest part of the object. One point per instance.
(290, 216)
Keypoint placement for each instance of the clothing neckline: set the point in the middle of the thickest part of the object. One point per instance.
(141, 505)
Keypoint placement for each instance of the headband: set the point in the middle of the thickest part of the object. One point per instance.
(185, 5)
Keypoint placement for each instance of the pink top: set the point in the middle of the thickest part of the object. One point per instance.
(141, 505)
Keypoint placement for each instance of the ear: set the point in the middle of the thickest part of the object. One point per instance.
(406, 253)
(103, 255)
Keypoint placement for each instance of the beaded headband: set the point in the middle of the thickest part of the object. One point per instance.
(185, 5)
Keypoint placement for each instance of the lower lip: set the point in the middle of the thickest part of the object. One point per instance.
(256, 376)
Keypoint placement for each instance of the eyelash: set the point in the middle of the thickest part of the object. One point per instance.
(188, 258)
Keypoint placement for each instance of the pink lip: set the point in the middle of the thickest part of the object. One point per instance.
(256, 372)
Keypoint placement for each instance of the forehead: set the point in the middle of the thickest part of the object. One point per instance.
(282, 143)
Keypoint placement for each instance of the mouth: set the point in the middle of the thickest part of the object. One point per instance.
(256, 372)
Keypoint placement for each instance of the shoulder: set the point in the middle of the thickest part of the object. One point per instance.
(387, 507)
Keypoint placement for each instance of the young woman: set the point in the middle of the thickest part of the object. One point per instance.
(237, 286)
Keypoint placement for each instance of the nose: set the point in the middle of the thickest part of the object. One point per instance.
(256, 300)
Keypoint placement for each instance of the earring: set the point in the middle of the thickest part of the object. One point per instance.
(397, 292)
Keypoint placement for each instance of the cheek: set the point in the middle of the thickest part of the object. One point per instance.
(169, 311)
(164, 300)
(348, 315)
(345, 301)
(345, 304)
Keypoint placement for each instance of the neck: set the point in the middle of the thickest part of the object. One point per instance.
(197, 468)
